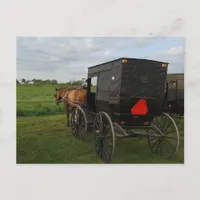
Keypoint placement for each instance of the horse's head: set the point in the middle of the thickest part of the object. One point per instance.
(60, 93)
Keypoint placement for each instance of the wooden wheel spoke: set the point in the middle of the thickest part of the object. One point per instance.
(97, 142)
(104, 153)
(95, 123)
(78, 123)
(167, 124)
(158, 145)
(101, 127)
(101, 123)
(169, 144)
(161, 147)
(108, 142)
(167, 148)
(170, 137)
(171, 131)
(153, 138)
(164, 124)
(157, 130)
(155, 143)
(99, 148)
(101, 155)
(105, 134)
(75, 132)
(106, 150)
(170, 123)
(164, 149)
(168, 141)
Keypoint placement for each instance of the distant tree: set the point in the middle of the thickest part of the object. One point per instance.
(23, 80)
(17, 81)
(79, 82)
(69, 82)
(54, 82)
(47, 81)
(40, 81)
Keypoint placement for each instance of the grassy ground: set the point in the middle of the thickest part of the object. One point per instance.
(47, 139)
(37, 100)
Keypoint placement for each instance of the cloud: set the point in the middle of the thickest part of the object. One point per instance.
(70, 57)
(174, 56)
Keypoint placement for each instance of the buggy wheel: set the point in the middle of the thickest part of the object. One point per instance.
(78, 123)
(163, 136)
(104, 136)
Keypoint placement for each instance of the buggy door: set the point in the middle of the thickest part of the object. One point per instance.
(103, 91)
(172, 90)
(91, 92)
(180, 88)
(115, 83)
(175, 90)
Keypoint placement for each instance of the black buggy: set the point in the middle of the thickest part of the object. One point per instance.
(130, 94)
(175, 96)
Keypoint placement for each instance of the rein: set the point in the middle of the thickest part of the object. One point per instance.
(65, 97)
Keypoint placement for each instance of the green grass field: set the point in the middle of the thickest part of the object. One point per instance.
(37, 100)
(43, 137)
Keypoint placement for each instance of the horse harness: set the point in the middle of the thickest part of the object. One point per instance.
(76, 94)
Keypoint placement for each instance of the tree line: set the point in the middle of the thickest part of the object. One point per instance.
(48, 81)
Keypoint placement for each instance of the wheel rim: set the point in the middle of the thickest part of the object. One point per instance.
(163, 137)
(177, 119)
(78, 124)
(104, 137)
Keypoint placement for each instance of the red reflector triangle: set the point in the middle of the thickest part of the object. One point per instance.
(140, 108)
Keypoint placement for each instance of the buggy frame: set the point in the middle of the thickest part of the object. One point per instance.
(109, 121)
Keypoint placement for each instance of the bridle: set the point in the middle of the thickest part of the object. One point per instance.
(65, 97)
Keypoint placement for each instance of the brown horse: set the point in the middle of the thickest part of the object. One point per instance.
(69, 96)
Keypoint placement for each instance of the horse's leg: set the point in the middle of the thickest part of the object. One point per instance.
(66, 110)
(68, 121)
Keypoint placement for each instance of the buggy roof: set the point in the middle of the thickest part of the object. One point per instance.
(106, 65)
(175, 76)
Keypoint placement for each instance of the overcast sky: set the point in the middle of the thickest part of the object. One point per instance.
(68, 58)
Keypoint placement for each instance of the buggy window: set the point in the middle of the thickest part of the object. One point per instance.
(172, 82)
(91, 93)
(93, 88)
